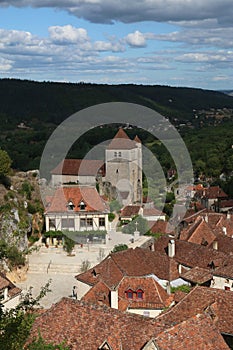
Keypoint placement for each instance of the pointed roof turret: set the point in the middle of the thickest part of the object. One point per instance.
(121, 134)
(137, 139)
(121, 141)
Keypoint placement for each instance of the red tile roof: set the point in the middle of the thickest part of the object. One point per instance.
(122, 141)
(85, 326)
(198, 232)
(154, 296)
(197, 275)
(79, 167)
(131, 262)
(215, 302)
(152, 212)
(197, 332)
(137, 139)
(130, 211)
(76, 194)
(212, 192)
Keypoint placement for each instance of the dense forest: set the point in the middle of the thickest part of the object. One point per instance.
(30, 111)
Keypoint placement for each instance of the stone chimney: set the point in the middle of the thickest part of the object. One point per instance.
(215, 245)
(224, 230)
(228, 216)
(206, 218)
(168, 287)
(171, 248)
(114, 299)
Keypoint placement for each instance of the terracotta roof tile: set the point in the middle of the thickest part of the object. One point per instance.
(79, 167)
(197, 332)
(130, 211)
(131, 262)
(199, 232)
(122, 141)
(76, 194)
(215, 302)
(197, 275)
(85, 326)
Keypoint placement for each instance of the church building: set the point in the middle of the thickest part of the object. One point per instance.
(123, 161)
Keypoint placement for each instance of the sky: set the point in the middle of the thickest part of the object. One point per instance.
(166, 42)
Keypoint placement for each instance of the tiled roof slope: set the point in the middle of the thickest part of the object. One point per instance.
(195, 333)
(199, 232)
(154, 296)
(197, 275)
(122, 141)
(85, 326)
(192, 254)
(76, 194)
(90, 167)
(131, 262)
(215, 302)
(130, 210)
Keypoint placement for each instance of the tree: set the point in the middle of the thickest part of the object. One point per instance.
(5, 163)
(68, 245)
(119, 247)
(16, 323)
(138, 224)
(40, 344)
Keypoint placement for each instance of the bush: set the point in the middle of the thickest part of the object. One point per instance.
(111, 217)
(119, 247)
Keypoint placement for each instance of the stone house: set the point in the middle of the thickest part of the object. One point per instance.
(76, 208)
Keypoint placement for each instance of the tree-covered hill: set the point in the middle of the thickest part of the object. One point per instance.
(30, 111)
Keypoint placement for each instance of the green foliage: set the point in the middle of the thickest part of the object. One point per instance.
(138, 224)
(12, 254)
(111, 217)
(5, 163)
(16, 323)
(115, 206)
(183, 288)
(119, 247)
(68, 244)
(27, 189)
(53, 234)
(40, 344)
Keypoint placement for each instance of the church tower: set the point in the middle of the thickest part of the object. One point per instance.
(123, 158)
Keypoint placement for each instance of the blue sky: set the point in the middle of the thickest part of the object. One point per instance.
(167, 42)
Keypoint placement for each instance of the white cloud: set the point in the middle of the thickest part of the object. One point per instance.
(136, 39)
(107, 11)
(68, 34)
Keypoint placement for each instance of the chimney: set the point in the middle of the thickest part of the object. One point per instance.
(206, 218)
(168, 287)
(215, 245)
(114, 299)
(224, 230)
(171, 248)
(228, 216)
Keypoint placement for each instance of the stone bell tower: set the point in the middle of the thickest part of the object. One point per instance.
(123, 158)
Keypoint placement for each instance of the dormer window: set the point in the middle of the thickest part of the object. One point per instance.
(129, 294)
(82, 205)
(70, 205)
(139, 294)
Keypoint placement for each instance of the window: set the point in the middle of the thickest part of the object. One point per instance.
(119, 154)
(82, 205)
(67, 223)
(227, 288)
(129, 294)
(101, 221)
(83, 222)
(139, 294)
(70, 205)
(52, 224)
(115, 154)
(89, 222)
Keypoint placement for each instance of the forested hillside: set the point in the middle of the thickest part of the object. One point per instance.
(30, 111)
